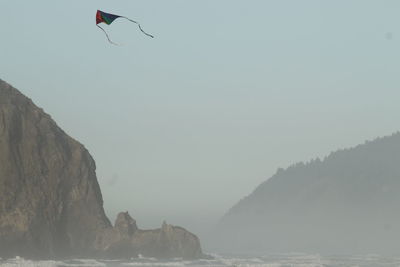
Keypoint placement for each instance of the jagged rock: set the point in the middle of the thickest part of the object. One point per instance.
(50, 201)
(125, 240)
(116, 242)
(167, 242)
(125, 225)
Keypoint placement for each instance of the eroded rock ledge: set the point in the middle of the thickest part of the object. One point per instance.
(125, 239)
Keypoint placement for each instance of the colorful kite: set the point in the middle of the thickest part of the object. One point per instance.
(109, 18)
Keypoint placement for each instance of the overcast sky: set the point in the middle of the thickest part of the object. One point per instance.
(184, 125)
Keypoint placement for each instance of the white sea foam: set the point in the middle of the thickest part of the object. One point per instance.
(277, 260)
(154, 264)
(84, 263)
(21, 262)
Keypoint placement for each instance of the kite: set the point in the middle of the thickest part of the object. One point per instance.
(108, 18)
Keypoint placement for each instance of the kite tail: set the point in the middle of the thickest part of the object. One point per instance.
(111, 42)
(140, 27)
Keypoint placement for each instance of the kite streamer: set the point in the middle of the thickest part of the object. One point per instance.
(107, 18)
(107, 36)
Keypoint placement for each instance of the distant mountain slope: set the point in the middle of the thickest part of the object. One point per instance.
(347, 203)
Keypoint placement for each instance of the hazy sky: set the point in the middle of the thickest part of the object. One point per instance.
(184, 125)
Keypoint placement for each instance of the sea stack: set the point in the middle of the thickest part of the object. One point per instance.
(51, 205)
(126, 240)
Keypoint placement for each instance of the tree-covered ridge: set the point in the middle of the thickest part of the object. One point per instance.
(352, 194)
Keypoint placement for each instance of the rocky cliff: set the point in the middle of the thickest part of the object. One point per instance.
(346, 203)
(50, 201)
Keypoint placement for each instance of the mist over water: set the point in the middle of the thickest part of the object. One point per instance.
(278, 260)
(186, 124)
(226, 121)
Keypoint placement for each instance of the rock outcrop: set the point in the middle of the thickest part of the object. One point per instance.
(50, 201)
(126, 240)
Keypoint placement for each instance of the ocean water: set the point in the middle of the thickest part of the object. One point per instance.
(281, 260)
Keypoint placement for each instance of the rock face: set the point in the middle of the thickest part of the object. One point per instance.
(347, 203)
(126, 240)
(50, 201)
